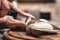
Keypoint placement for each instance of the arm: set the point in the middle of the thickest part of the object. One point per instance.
(0, 2)
(20, 11)
(2, 20)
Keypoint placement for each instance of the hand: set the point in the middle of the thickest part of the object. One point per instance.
(14, 23)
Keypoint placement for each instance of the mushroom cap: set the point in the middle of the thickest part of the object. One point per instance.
(39, 27)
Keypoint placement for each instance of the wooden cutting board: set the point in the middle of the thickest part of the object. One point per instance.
(17, 35)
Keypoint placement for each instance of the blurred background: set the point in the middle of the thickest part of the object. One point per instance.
(47, 9)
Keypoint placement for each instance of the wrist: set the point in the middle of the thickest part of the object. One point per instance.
(2, 20)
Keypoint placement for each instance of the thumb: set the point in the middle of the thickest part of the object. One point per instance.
(32, 16)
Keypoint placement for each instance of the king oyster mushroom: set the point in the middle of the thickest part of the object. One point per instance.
(39, 26)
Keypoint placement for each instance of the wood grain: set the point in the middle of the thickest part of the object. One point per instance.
(16, 35)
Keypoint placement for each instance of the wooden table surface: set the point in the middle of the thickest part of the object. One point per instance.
(17, 35)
